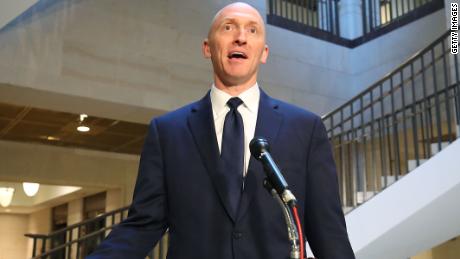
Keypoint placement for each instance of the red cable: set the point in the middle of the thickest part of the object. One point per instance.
(299, 228)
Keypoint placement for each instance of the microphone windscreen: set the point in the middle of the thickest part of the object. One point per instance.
(257, 146)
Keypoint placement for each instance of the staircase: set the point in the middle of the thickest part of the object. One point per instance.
(395, 146)
(75, 242)
(415, 214)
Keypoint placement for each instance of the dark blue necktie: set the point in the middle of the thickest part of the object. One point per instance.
(232, 152)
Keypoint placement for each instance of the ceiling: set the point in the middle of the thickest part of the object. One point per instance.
(37, 125)
(29, 124)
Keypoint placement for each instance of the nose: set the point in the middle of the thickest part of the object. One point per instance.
(241, 37)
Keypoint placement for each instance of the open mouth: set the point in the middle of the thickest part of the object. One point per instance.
(237, 55)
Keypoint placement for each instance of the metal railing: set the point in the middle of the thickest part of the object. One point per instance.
(321, 18)
(77, 241)
(397, 123)
(380, 13)
(316, 14)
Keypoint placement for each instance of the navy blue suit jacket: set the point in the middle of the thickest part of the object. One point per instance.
(178, 188)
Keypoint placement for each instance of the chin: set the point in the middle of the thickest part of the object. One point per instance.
(238, 75)
(236, 81)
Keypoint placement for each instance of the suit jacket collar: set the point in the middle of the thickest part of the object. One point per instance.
(201, 123)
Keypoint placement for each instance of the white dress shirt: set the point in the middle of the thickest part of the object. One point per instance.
(248, 111)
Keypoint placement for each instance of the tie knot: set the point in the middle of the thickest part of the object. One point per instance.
(234, 102)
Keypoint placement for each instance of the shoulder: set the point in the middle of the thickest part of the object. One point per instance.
(178, 117)
(294, 113)
(172, 118)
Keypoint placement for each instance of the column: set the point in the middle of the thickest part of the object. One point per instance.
(350, 16)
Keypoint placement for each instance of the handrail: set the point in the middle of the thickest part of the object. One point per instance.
(385, 94)
(397, 123)
(76, 225)
(74, 244)
(68, 234)
(430, 97)
(63, 246)
(322, 18)
(389, 74)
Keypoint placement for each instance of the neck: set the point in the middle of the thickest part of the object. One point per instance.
(234, 89)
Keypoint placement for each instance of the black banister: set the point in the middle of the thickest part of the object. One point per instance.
(381, 130)
(75, 246)
(388, 75)
(321, 18)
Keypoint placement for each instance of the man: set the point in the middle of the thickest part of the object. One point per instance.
(196, 177)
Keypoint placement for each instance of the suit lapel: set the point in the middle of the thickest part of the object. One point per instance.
(268, 123)
(201, 123)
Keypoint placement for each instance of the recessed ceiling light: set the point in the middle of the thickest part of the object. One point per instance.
(83, 128)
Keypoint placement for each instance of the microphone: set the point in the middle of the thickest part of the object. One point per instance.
(260, 150)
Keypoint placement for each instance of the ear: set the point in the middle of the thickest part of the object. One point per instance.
(206, 49)
(264, 57)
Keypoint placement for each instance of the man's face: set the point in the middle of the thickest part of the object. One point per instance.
(236, 45)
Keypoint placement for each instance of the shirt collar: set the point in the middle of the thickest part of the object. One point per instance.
(219, 99)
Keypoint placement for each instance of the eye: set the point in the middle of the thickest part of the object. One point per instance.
(228, 27)
(253, 30)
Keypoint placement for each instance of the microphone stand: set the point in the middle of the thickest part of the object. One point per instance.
(278, 188)
(293, 234)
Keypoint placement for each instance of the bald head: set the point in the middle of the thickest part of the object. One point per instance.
(238, 7)
(236, 47)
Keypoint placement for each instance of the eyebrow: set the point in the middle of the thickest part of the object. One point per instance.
(226, 20)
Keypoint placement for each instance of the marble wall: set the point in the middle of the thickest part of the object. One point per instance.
(13, 243)
(146, 55)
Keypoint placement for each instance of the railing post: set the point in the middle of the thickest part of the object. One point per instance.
(405, 147)
(69, 251)
(43, 245)
(383, 136)
(34, 248)
(457, 94)
(78, 242)
(414, 116)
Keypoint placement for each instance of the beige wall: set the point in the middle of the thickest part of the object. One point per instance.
(13, 243)
(425, 255)
(39, 223)
(113, 199)
(68, 166)
(447, 250)
(75, 211)
(146, 56)
(75, 215)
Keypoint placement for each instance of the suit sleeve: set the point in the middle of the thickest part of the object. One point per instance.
(324, 220)
(147, 217)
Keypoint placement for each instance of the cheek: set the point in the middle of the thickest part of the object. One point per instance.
(218, 51)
